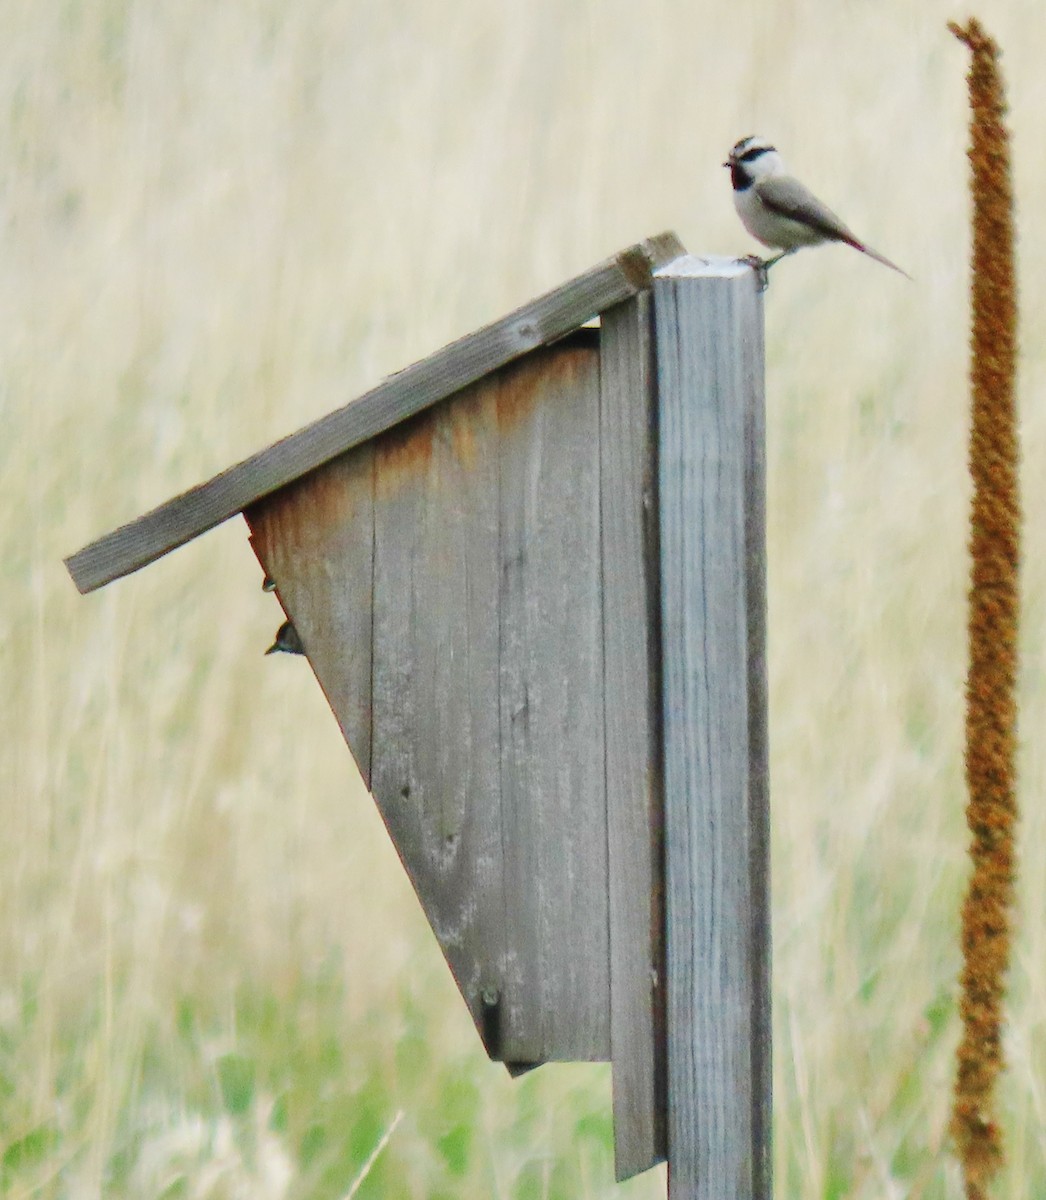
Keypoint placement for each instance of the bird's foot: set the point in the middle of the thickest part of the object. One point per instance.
(760, 266)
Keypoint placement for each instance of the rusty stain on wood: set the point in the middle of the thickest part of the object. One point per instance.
(465, 446)
(405, 452)
(562, 366)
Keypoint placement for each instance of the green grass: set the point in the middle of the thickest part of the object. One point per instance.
(217, 222)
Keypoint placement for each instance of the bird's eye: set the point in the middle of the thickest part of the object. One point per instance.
(754, 153)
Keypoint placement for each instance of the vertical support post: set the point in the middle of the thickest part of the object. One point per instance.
(709, 337)
(632, 712)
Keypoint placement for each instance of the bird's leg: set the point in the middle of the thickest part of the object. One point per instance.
(762, 265)
(759, 266)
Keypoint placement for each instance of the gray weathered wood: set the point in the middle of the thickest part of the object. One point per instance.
(753, 361)
(708, 319)
(544, 320)
(436, 773)
(553, 787)
(632, 707)
(315, 540)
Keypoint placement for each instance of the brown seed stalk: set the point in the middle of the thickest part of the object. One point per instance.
(991, 706)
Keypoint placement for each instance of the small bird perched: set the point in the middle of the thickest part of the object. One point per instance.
(287, 640)
(778, 210)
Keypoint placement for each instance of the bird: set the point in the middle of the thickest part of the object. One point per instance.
(782, 212)
(287, 640)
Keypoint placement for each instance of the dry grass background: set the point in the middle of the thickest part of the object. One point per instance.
(220, 221)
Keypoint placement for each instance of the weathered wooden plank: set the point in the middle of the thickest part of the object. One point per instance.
(632, 708)
(186, 516)
(315, 539)
(753, 360)
(552, 773)
(708, 319)
(436, 775)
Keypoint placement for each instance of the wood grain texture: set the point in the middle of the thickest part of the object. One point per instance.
(487, 669)
(314, 539)
(183, 518)
(632, 707)
(753, 361)
(436, 772)
(552, 745)
(709, 333)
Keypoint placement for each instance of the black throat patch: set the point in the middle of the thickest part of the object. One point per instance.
(739, 177)
(740, 157)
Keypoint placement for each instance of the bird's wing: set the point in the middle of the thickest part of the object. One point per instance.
(787, 197)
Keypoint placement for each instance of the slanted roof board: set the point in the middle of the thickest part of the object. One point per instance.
(543, 320)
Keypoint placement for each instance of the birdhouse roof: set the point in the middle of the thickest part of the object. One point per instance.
(402, 395)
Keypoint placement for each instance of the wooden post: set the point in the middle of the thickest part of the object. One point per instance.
(632, 711)
(708, 317)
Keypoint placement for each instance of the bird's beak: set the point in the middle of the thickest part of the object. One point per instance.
(727, 164)
(273, 648)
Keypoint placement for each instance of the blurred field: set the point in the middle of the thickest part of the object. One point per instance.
(220, 221)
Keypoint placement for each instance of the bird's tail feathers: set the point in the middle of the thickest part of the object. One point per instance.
(880, 258)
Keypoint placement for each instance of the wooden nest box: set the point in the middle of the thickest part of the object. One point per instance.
(528, 575)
